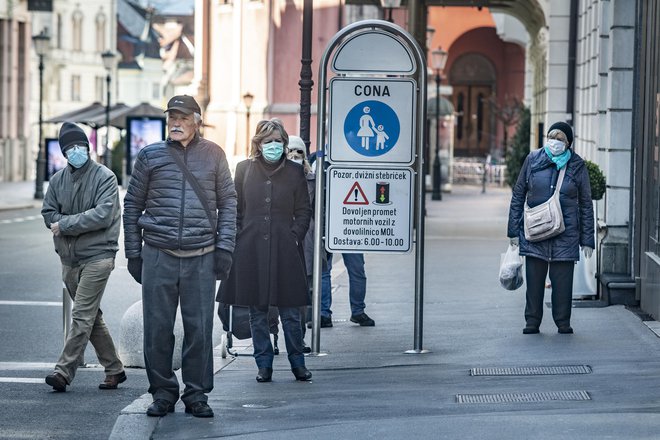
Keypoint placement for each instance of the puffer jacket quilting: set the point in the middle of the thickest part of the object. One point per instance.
(535, 185)
(162, 208)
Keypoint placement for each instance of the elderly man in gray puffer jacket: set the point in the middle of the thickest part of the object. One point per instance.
(179, 232)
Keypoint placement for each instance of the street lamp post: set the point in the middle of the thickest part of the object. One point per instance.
(389, 5)
(247, 100)
(109, 63)
(41, 47)
(438, 60)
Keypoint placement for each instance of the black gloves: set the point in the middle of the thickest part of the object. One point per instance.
(223, 262)
(135, 268)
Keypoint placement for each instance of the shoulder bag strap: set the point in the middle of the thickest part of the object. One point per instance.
(560, 180)
(194, 183)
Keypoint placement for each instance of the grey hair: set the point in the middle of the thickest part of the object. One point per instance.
(196, 116)
(559, 135)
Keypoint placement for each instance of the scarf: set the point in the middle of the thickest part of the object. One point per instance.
(560, 160)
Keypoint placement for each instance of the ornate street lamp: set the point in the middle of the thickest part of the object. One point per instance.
(438, 61)
(389, 5)
(109, 58)
(41, 47)
(247, 100)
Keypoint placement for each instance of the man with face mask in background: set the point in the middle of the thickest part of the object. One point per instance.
(82, 210)
(179, 230)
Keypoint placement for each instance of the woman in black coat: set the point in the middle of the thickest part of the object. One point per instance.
(556, 255)
(273, 216)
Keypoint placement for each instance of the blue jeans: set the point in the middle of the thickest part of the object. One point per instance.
(357, 284)
(263, 349)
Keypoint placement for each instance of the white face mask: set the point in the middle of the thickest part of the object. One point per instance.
(297, 161)
(555, 146)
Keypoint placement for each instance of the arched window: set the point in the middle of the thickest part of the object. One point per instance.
(100, 31)
(460, 110)
(76, 28)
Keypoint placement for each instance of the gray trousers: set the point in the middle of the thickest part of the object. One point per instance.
(561, 278)
(85, 284)
(168, 281)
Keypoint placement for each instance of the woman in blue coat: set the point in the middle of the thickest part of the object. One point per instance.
(555, 256)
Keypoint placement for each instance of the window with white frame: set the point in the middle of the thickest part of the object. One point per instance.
(76, 31)
(75, 88)
(98, 88)
(100, 31)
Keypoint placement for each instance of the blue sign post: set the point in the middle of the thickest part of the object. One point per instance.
(372, 127)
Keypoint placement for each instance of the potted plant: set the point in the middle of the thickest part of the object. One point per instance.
(586, 270)
(596, 180)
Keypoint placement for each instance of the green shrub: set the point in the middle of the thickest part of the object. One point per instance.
(518, 150)
(596, 180)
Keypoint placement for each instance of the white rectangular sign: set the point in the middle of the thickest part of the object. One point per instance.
(369, 209)
(372, 120)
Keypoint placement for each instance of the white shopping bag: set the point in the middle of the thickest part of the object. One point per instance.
(511, 270)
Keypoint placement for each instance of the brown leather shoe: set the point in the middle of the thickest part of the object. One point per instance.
(112, 380)
(57, 381)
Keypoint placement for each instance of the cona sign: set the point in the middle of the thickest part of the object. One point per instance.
(372, 120)
(372, 90)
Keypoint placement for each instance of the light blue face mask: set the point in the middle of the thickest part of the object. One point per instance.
(272, 151)
(77, 156)
(555, 147)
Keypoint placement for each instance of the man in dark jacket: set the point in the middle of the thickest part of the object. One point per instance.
(179, 230)
(81, 208)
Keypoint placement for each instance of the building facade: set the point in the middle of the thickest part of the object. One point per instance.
(16, 146)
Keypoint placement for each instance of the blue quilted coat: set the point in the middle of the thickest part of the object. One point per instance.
(536, 183)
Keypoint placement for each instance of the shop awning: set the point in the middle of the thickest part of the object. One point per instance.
(92, 115)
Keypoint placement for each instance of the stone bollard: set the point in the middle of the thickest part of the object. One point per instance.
(131, 336)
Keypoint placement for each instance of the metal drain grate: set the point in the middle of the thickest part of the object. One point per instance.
(522, 397)
(530, 371)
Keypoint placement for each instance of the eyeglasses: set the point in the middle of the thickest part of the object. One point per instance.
(296, 151)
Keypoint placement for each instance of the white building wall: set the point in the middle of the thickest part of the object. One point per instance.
(136, 86)
(63, 63)
(557, 73)
(604, 87)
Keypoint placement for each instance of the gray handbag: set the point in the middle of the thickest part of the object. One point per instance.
(545, 220)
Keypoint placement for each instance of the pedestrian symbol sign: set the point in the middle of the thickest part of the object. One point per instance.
(372, 120)
(356, 196)
(371, 128)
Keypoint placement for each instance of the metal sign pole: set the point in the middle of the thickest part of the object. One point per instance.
(407, 60)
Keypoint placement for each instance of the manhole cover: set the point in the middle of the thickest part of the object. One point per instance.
(530, 371)
(522, 397)
(255, 406)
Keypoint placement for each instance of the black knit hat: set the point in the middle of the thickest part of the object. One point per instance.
(564, 128)
(70, 135)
